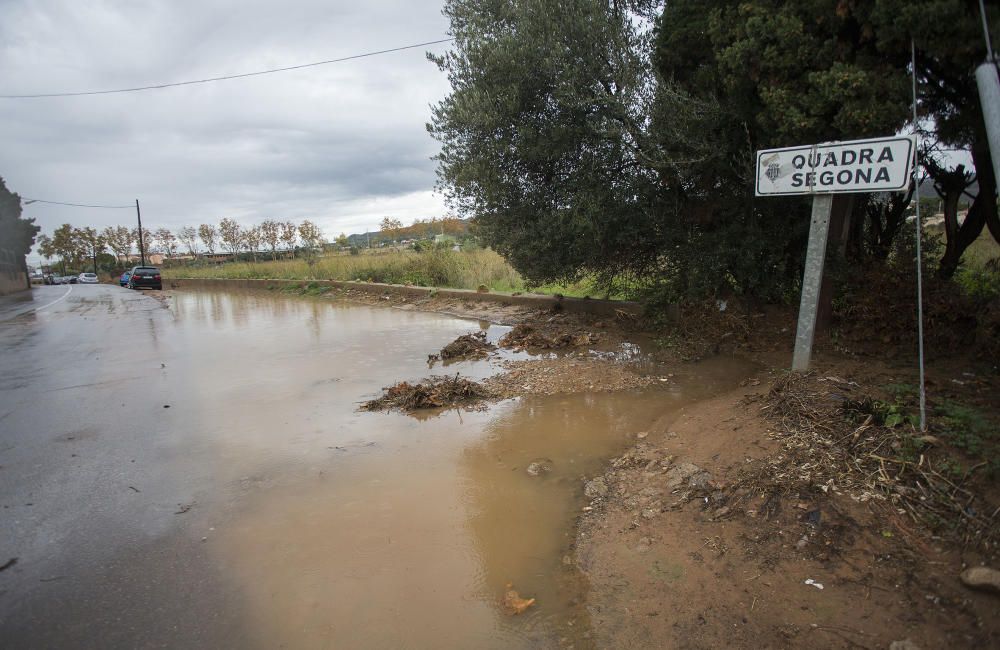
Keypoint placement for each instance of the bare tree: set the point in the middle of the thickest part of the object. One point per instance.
(188, 235)
(270, 233)
(231, 235)
(252, 239)
(166, 242)
(119, 239)
(208, 235)
(312, 240)
(289, 235)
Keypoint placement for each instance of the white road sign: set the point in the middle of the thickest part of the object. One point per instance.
(876, 165)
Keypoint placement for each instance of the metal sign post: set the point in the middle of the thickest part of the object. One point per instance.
(823, 170)
(812, 280)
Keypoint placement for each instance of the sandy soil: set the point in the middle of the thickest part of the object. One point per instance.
(666, 572)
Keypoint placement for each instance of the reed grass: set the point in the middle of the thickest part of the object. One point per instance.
(469, 269)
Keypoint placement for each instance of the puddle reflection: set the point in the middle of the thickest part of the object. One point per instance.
(369, 530)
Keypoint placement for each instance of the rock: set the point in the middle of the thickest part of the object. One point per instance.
(650, 513)
(721, 512)
(641, 434)
(905, 644)
(596, 488)
(539, 466)
(982, 578)
(687, 474)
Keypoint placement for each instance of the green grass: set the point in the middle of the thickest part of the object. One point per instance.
(436, 268)
(965, 427)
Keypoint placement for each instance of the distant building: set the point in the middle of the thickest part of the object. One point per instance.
(153, 259)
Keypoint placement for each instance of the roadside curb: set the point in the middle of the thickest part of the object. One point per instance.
(536, 301)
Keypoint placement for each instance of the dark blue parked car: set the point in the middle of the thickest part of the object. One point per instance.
(123, 281)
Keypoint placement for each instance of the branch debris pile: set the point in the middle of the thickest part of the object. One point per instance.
(525, 336)
(433, 392)
(830, 445)
(468, 346)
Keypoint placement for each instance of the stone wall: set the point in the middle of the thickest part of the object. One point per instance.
(13, 274)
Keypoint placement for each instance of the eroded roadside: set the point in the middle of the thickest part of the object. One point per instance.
(680, 550)
(781, 514)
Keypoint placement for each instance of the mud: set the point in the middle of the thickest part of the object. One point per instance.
(673, 562)
(570, 374)
(377, 529)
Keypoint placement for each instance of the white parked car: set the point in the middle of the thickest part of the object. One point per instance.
(88, 278)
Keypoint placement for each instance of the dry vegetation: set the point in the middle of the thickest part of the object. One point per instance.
(466, 269)
(837, 438)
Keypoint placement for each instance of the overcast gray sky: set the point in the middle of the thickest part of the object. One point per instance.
(343, 144)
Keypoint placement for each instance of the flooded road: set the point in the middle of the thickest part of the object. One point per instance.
(191, 470)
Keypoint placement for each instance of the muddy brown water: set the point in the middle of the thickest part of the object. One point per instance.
(315, 525)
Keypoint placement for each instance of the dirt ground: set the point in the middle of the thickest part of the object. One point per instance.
(669, 574)
(814, 565)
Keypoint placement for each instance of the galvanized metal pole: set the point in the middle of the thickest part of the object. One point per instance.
(919, 223)
(812, 280)
(142, 249)
(989, 97)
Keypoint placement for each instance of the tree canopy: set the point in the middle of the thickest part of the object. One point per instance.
(16, 232)
(618, 138)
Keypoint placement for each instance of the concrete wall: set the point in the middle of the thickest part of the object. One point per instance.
(13, 274)
(536, 301)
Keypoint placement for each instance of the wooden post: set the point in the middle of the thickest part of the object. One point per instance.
(142, 249)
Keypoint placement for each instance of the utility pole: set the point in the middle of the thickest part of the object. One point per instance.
(142, 249)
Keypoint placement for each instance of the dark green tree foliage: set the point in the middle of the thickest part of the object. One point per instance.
(819, 70)
(582, 142)
(544, 138)
(787, 72)
(16, 233)
(949, 46)
(782, 73)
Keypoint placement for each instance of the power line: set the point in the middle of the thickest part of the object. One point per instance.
(75, 205)
(226, 77)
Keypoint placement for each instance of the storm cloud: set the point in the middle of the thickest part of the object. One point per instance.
(342, 144)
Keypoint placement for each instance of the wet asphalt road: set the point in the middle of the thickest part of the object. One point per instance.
(191, 470)
(92, 471)
(134, 525)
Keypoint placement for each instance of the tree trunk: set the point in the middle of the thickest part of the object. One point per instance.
(987, 188)
(982, 210)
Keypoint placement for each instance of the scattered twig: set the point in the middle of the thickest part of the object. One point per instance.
(823, 450)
